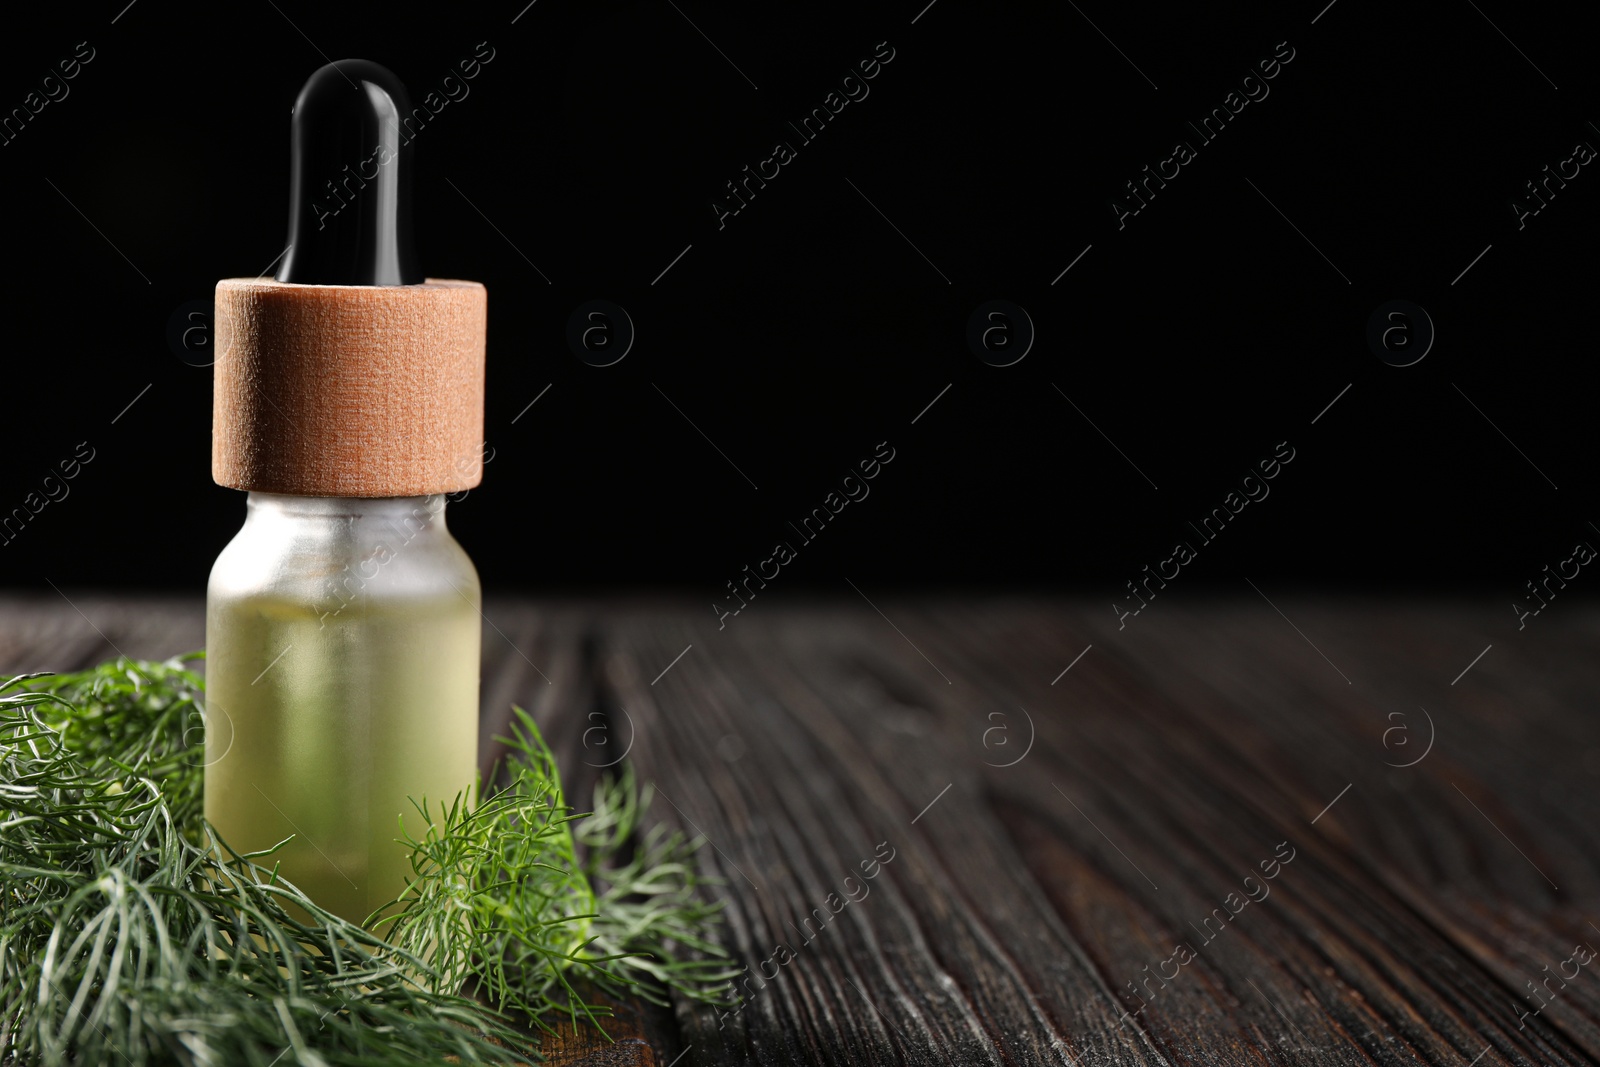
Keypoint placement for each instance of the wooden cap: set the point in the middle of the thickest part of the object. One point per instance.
(349, 390)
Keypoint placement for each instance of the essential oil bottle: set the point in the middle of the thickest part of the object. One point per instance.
(343, 621)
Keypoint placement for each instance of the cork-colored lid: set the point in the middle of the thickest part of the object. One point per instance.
(349, 390)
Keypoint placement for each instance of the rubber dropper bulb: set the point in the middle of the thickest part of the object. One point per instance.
(350, 180)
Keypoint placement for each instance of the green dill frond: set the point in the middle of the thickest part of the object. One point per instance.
(652, 915)
(501, 900)
(130, 934)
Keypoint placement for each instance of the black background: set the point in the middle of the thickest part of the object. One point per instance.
(808, 329)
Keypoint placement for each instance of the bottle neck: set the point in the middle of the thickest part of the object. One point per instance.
(337, 552)
(356, 528)
(409, 514)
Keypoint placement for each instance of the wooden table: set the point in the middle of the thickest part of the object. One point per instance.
(1080, 821)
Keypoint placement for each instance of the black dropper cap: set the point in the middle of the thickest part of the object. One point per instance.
(350, 180)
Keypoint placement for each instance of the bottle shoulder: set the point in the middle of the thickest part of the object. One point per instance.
(377, 552)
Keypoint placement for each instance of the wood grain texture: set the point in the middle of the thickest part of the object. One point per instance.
(349, 390)
(1055, 835)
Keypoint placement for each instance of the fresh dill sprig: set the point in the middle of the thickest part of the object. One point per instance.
(130, 934)
(651, 918)
(501, 899)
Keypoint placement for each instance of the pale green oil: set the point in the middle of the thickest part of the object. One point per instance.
(324, 726)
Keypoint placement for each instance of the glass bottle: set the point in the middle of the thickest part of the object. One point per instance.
(342, 641)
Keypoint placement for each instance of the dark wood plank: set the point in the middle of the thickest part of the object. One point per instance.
(1178, 756)
(1417, 841)
(953, 952)
(73, 630)
(1057, 834)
